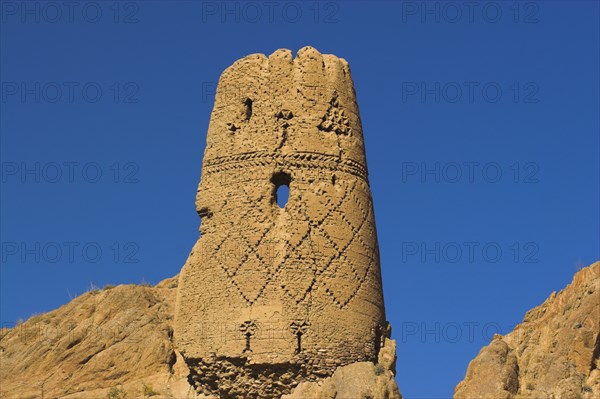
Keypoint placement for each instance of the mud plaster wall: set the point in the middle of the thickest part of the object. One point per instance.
(298, 284)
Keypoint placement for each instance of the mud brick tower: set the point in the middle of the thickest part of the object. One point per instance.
(271, 296)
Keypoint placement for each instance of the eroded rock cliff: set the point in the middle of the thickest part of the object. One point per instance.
(112, 341)
(553, 354)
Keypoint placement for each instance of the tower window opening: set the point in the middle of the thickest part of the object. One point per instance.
(281, 181)
(247, 349)
(299, 338)
(299, 327)
(248, 104)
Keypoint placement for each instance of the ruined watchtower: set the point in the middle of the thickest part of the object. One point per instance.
(271, 295)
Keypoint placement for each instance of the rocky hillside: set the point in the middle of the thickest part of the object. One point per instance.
(106, 343)
(116, 343)
(553, 354)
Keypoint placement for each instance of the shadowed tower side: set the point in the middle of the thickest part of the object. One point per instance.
(271, 296)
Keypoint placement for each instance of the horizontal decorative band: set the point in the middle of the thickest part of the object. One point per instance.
(296, 159)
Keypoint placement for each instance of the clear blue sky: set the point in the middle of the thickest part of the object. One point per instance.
(481, 126)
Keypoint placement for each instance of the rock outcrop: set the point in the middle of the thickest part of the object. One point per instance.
(553, 354)
(362, 380)
(116, 343)
(105, 343)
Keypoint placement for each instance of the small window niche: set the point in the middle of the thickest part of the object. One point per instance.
(248, 109)
(281, 192)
